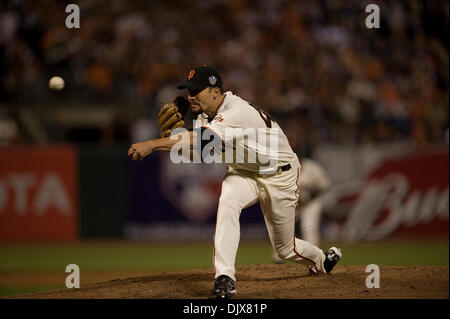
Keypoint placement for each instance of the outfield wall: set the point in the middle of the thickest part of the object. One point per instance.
(64, 193)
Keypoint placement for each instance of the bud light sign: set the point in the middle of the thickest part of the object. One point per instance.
(406, 195)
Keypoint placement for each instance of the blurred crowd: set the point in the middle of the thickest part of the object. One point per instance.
(313, 65)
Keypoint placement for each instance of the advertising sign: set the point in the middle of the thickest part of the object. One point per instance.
(38, 193)
(402, 195)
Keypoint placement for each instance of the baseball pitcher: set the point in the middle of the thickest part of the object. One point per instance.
(268, 172)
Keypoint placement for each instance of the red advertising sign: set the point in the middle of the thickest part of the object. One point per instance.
(421, 208)
(38, 193)
(405, 195)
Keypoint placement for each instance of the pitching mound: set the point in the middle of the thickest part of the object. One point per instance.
(288, 281)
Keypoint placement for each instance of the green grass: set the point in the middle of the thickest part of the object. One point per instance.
(121, 256)
(133, 256)
(166, 256)
(98, 256)
(416, 253)
(9, 291)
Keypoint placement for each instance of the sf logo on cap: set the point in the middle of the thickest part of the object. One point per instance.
(191, 74)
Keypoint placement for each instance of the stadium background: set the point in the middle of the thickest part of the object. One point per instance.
(371, 105)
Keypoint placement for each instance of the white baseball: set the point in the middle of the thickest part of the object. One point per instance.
(56, 83)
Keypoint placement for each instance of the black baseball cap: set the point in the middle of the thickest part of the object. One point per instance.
(202, 77)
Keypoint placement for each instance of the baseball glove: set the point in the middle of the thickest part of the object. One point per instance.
(171, 115)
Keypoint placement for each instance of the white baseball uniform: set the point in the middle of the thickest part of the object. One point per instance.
(247, 183)
(314, 181)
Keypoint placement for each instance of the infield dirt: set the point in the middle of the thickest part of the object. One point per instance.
(270, 281)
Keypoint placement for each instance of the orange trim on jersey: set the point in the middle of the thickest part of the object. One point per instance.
(295, 214)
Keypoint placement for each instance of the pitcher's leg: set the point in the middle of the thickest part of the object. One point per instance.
(279, 202)
(287, 246)
(310, 221)
(238, 192)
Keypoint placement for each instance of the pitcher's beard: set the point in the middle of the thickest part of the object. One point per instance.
(195, 114)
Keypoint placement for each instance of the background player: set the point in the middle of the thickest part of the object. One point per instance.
(274, 185)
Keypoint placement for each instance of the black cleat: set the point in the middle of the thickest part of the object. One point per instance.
(332, 257)
(224, 287)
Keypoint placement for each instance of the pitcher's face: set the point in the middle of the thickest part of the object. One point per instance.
(203, 100)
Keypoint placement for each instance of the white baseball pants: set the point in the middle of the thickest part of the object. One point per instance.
(278, 197)
(310, 221)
